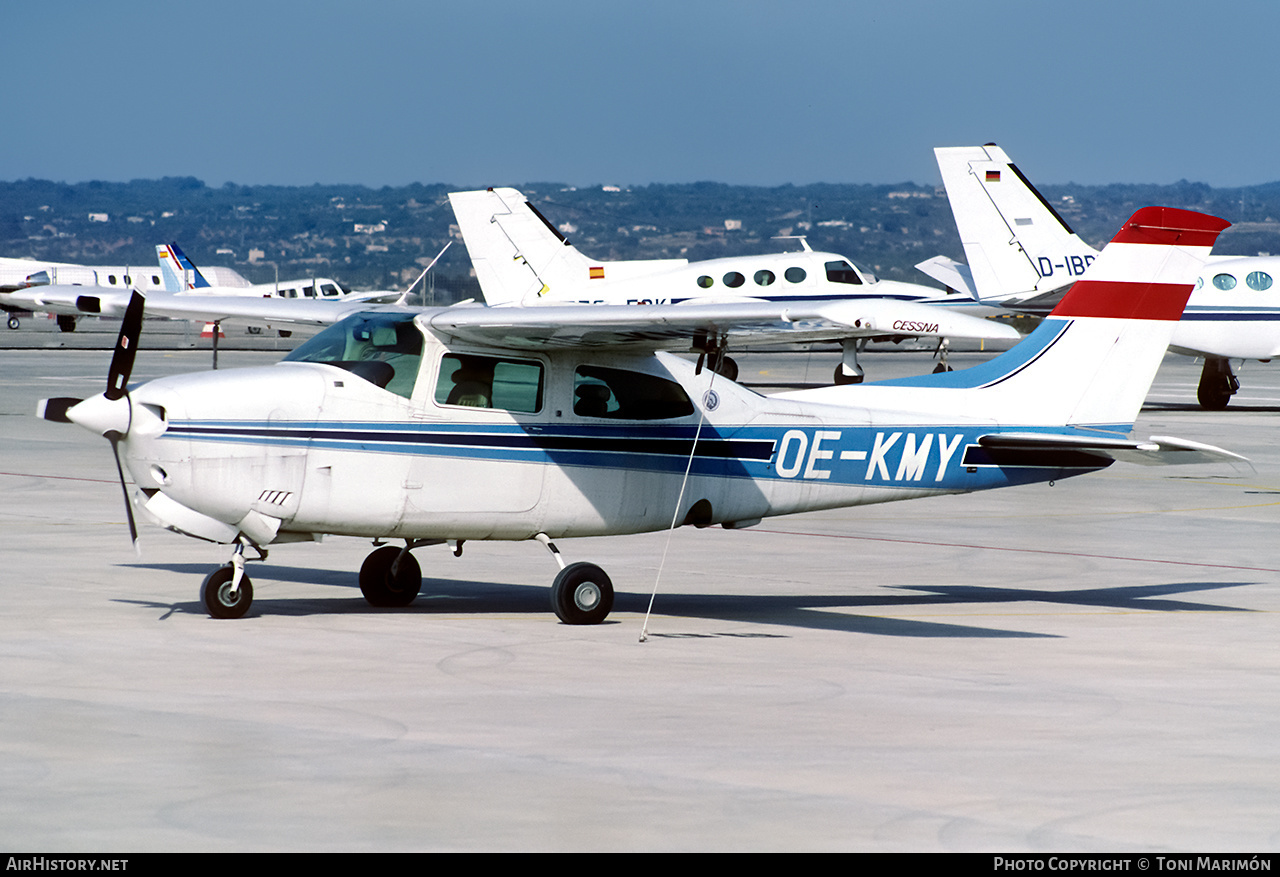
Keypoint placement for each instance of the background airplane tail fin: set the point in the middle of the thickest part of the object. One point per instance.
(518, 255)
(1111, 330)
(179, 274)
(1016, 244)
(1090, 363)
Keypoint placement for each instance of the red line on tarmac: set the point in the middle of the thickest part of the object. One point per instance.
(58, 477)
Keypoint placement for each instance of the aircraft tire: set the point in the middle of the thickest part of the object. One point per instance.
(216, 590)
(1213, 398)
(13, 322)
(727, 367)
(582, 594)
(378, 585)
(1217, 384)
(66, 323)
(841, 377)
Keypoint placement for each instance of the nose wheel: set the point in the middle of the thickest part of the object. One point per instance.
(223, 597)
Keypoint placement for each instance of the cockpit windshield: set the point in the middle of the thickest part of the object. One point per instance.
(842, 272)
(384, 349)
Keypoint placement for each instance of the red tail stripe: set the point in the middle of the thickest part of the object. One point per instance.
(1133, 301)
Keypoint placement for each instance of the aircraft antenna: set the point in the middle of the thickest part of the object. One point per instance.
(702, 418)
(405, 295)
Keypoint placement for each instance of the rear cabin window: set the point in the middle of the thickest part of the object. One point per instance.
(490, 382)
(627, 395)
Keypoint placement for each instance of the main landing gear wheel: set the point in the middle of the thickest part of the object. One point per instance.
(582, 594)
(380, 587)
(218, 598)
(13, 322)
(1217, 384)
(726, 367)
(842, 377)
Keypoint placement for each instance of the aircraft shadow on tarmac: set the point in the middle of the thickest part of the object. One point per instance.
(1236, 407)
(806, 611)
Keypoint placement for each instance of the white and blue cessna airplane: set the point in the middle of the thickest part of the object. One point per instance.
(454, 424)
(1022, 253)
(520, 258)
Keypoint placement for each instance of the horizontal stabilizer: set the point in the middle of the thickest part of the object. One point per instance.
(1036, 448)
(950, 273)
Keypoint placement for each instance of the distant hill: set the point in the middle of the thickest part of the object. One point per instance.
(382, 238)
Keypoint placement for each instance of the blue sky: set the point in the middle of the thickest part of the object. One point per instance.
(492, 92)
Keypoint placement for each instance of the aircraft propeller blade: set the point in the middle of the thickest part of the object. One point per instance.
(55, 409)
(114, 438)
(126, 347)
(117, 383)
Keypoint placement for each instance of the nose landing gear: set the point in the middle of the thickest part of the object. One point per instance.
(227, 592)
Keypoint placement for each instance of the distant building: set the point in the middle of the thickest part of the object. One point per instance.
(98, 217)
(733, 225)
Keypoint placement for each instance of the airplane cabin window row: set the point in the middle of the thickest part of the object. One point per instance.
(734, 279)
(1255, 280)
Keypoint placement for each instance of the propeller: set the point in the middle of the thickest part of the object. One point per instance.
(108, 414)
(117, 388)
(126, 347)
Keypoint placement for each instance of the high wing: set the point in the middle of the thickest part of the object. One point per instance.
(746, 324)
(651, 327)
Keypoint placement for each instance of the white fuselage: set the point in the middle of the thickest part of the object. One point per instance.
(805, 275)
(19, 273)
(395, 442)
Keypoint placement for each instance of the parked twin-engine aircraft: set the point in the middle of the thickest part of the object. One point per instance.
(457, 424)
(177, 277)
(1022, 253)
(520, 258)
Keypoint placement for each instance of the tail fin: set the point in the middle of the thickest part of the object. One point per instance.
(179, 274)
(518, 255)
(1090, 363)
(1016, 244)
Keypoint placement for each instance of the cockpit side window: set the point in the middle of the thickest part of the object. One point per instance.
(627, 395)
(842, 272)
(474, 381)
(383, 349)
